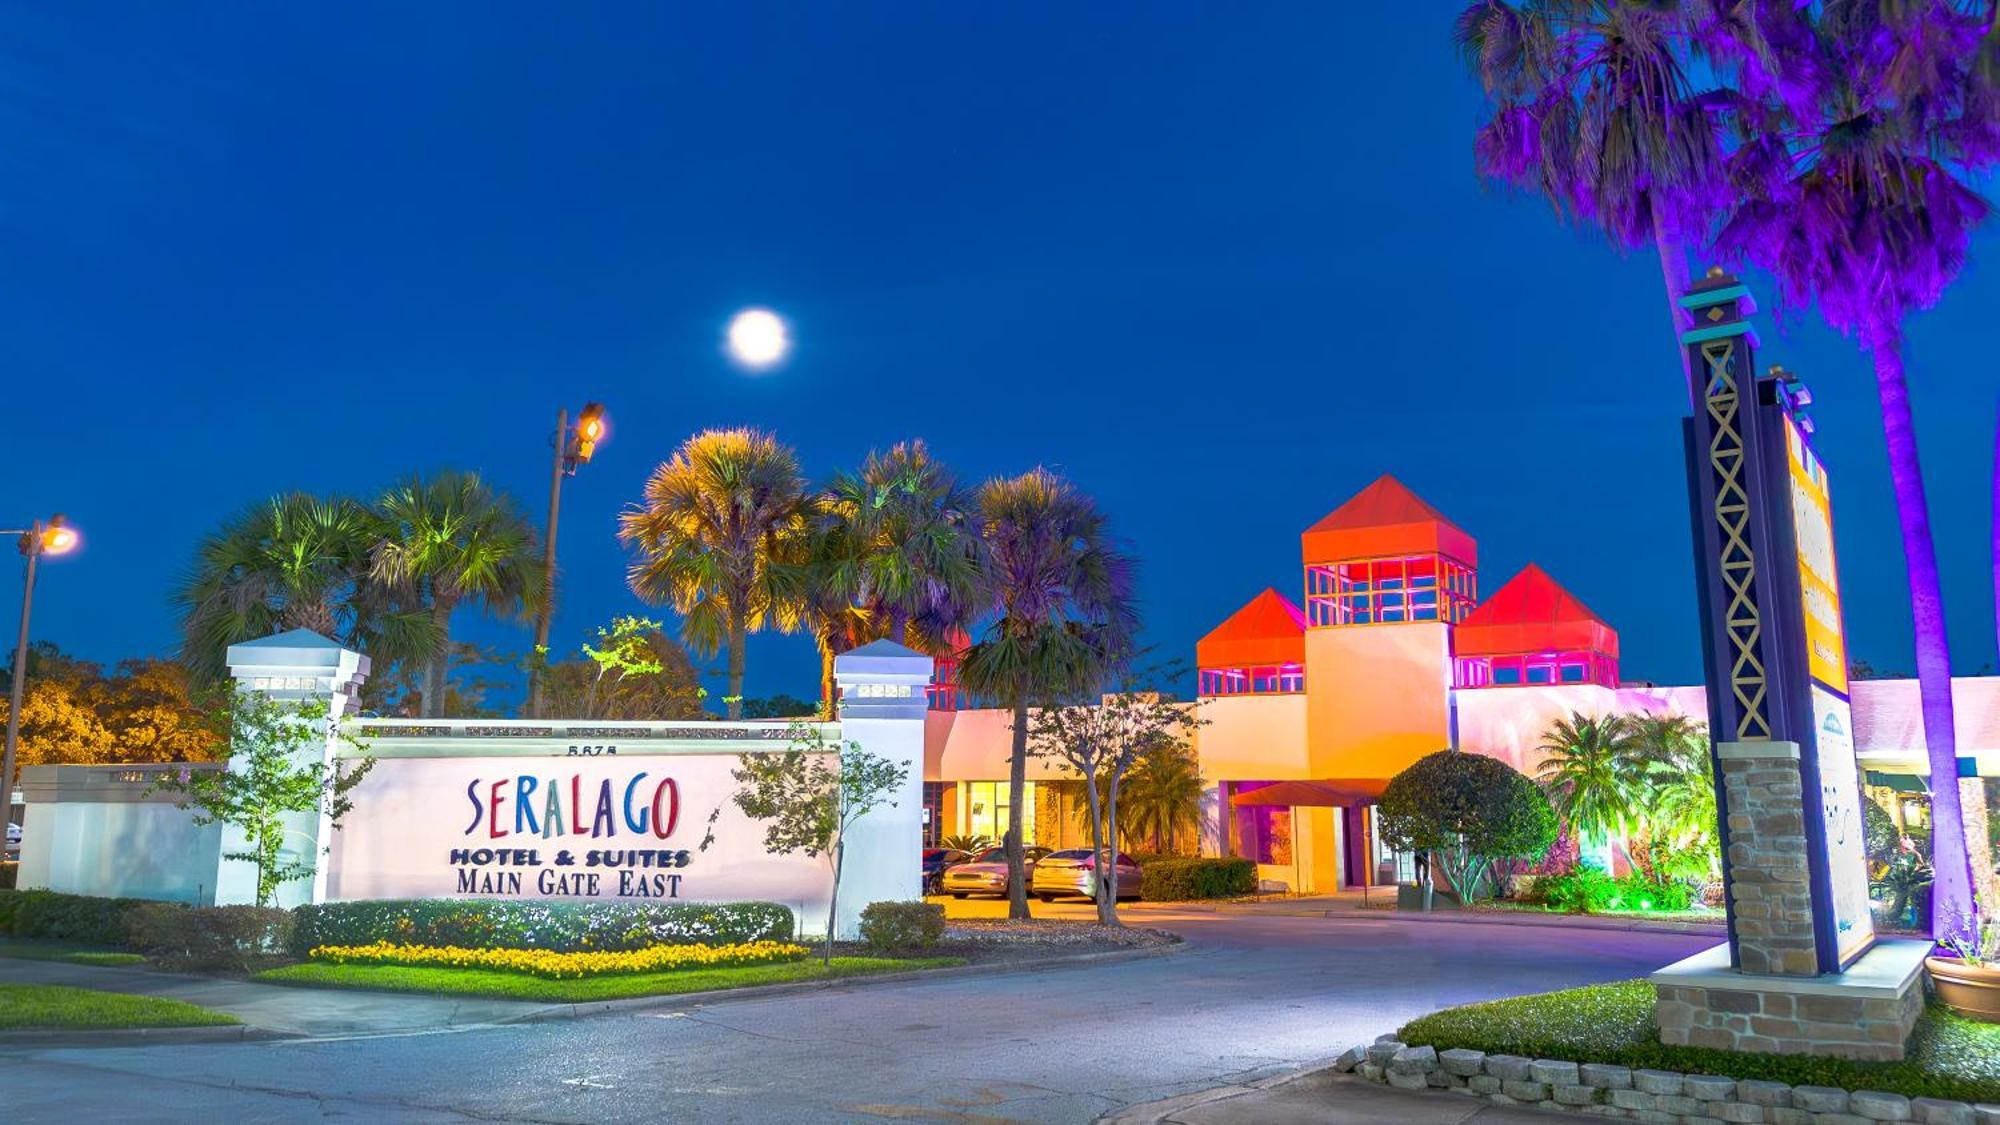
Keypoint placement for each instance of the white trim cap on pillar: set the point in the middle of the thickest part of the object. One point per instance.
(883, 680)
(299, 664)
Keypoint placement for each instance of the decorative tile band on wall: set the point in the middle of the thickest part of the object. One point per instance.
(1663, 1096)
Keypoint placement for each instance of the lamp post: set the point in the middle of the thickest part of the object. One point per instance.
(574, 446)
(38, 539)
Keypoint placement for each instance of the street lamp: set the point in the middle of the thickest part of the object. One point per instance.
(574, 446)
(51, 538)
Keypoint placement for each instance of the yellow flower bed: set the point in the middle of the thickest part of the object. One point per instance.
(563, 966)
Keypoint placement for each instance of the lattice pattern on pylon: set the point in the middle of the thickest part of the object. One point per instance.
(1740, 619)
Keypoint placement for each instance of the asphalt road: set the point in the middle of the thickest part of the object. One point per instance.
(1247, 997)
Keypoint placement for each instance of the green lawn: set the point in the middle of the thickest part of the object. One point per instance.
(59, 1007)
(519, 986)
(74, 954)
(1950, 1057)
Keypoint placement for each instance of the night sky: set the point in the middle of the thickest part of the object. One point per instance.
(1221, 265)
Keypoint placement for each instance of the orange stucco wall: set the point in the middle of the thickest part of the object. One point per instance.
(1254, 738)
(1375, 698)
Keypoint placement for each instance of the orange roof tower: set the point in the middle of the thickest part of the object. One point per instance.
(1533, 631)
(1386, 557)
(1269, 629)
(1386, 520)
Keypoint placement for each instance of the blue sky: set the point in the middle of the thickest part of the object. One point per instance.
(1220, 265)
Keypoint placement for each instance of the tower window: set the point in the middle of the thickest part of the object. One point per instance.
(1389, 591)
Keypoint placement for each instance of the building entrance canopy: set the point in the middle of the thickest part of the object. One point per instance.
(1346, 792)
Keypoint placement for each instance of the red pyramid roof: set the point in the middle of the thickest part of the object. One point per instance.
(1268, 630)
(1532, 613)
(1386, 520)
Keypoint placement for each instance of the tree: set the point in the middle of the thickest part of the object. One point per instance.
(1468, 811)
(276, 767)
(780, 706)
(295, 561)
(473, 676)
(143, 711)
(720, 535)
(1163, 795)
(451, 540)
(1592, 772)
(1865, 207)
(1595, 106)
(1060, 594)
(1101, 741)
(808, 796)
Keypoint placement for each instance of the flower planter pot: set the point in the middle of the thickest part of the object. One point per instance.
(1972, 991)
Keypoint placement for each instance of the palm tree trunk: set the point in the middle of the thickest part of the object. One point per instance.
(1017, 789)
(737, 632)
(434, 667)
(829, 691)
(1952, 904)
(1674, 271)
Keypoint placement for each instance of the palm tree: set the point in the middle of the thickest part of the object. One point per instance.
(720, 536)
(895, 551)
(1063, 616)
(1596, 108)
(1592, 773)
(294, 561)
(448, 541)
(1677, 780)
(1163, 795)
(1871, 219)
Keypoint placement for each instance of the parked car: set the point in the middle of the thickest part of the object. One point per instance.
(1074, 872)
(13, 846)
(986, 873)
(935, 861)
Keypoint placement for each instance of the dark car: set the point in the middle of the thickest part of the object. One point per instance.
(935, 861)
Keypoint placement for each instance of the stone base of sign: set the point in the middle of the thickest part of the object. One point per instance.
(1866, 1012)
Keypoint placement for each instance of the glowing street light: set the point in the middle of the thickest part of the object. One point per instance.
(759, 339)
(54, 537)
(575, 446)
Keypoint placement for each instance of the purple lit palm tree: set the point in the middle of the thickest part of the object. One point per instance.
(1595, 108)
(1871, 219)
(1061, 595)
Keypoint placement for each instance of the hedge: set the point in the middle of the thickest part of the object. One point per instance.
(563, 927)
(53, 916)
(10, 872)
(1179, 880)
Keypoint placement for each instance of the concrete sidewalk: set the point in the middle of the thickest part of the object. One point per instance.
(1321, 1097)
(309, 1012)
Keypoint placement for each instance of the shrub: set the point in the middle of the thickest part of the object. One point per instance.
(10, 875)
(1469, 811)
(891, 926)
(564, 927)
(1179, 880)
(10, 901)
(1589, 890)
(83, 919)
(209, 937)
(566, 966)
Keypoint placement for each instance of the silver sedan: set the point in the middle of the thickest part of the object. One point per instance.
(1074, 872)
(986, 873)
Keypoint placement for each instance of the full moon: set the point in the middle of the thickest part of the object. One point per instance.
(758, 339)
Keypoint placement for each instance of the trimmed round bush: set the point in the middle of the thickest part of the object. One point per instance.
(1186, 879)
(1469, 811)
(560, 926)
(890, 927)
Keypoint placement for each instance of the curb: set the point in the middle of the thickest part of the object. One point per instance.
(140, 1036)
(762, 991)
(1565, 922)
(1151, 1113)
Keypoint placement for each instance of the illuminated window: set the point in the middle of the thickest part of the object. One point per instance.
(1533, 668)
(987, 810)
(944, 693)
(1388, 591)
(1268, 679)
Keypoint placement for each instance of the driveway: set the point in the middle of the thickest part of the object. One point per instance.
(1248, 996)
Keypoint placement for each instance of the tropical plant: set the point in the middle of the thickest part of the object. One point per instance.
(1597, 107)
(292, 562)
(277, 769)
(1677, 806)
(1865, 206)
(1593, 773)
(1469, 812)
(810, 795)
(971, 843)
(720, 536)
(1060, 593)
(1101, 741)
(452, 540)
(1163, 795)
